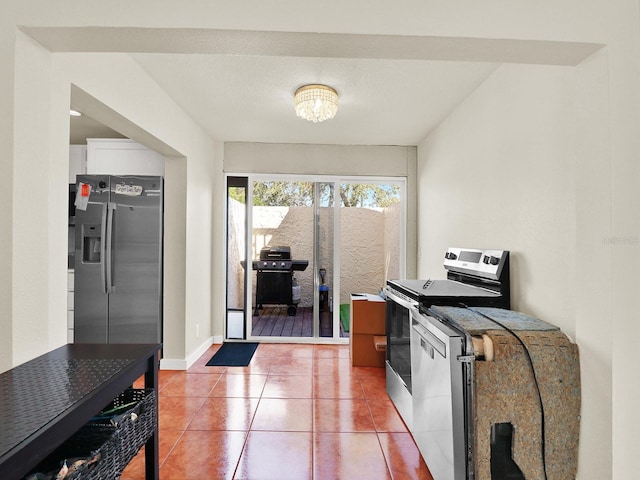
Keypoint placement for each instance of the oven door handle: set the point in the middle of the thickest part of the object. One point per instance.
(400, 301)
(425, 335)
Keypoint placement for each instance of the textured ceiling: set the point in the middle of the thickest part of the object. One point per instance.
(249, 98)
(239, 85)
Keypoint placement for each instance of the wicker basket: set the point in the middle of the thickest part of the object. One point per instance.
(114, 443)
(133, 434)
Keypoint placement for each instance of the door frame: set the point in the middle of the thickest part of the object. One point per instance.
(337, 180)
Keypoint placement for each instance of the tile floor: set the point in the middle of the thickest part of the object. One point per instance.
(296, 412)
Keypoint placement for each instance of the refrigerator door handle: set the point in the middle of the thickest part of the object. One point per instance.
(109, 248)
(103, 229)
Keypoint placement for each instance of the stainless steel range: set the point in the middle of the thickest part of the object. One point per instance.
(474, 277)
(486, 392)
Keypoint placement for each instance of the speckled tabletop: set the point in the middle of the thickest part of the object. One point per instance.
(34, 393)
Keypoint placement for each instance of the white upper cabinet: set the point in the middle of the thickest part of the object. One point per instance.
(122, 157)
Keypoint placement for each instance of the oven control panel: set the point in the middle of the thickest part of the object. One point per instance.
(483, 263)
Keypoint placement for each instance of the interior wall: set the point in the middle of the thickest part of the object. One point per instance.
(502, 172)
(34, 329)
(219, 245)
(175, 253)
(7, 78)
(499, 173)
(42, 95)
(624, 243)
(305, 159)
(593, 279)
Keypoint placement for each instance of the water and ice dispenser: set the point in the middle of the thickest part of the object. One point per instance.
(91, 243)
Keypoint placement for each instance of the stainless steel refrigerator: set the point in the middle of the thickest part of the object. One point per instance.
(118, 261)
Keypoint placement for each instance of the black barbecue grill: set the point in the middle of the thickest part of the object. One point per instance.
(274, 280)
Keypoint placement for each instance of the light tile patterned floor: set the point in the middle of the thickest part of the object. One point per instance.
(296, 412)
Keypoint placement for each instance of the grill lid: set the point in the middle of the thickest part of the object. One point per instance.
(275, 253)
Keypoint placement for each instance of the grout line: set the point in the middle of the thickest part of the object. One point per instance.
(175, 444)
(387, 461)
(359, 376)
(313, 414)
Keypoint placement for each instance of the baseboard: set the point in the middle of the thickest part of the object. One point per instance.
(172, 364)
(184, 364)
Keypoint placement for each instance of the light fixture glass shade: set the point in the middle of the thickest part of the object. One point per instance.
(316, 103)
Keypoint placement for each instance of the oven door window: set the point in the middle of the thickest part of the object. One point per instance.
(398, 341)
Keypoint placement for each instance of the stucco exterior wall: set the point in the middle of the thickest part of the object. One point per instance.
(369, 243)
(289, 226)
(362, 251)
(392, 238)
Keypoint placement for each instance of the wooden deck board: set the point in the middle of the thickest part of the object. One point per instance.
(274, 321)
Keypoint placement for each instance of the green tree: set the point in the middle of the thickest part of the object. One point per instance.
(368, 195)
(290, 194)
(300, 194)
(237, 193)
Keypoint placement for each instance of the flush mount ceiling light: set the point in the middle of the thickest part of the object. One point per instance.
(316, 103)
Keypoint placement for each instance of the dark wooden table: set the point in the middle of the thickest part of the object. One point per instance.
(44, 401)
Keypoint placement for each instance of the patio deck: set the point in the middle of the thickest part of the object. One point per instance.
(274, 321)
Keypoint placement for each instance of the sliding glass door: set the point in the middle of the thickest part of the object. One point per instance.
(309, 243)
(282, 238)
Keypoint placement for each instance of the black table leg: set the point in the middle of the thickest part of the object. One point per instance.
(151, 448)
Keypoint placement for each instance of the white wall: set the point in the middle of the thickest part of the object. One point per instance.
(595, 320)
(36, 164)
(502, 171)
(499, 173)
(7, 79)
(42, 96)
(302, 159)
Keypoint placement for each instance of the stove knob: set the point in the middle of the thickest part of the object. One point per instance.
(495, 260)
(282, 264)
(273, 264)
(486, 259)
(452, 256)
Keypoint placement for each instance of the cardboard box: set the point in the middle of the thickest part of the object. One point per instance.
(364, 353)
(367, 314)
(367, 321)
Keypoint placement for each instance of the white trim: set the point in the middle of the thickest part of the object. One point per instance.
(184, 364)
(173, 364)
(248, 297)
(337, 180)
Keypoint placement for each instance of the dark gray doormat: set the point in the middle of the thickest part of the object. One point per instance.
(233, 355)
